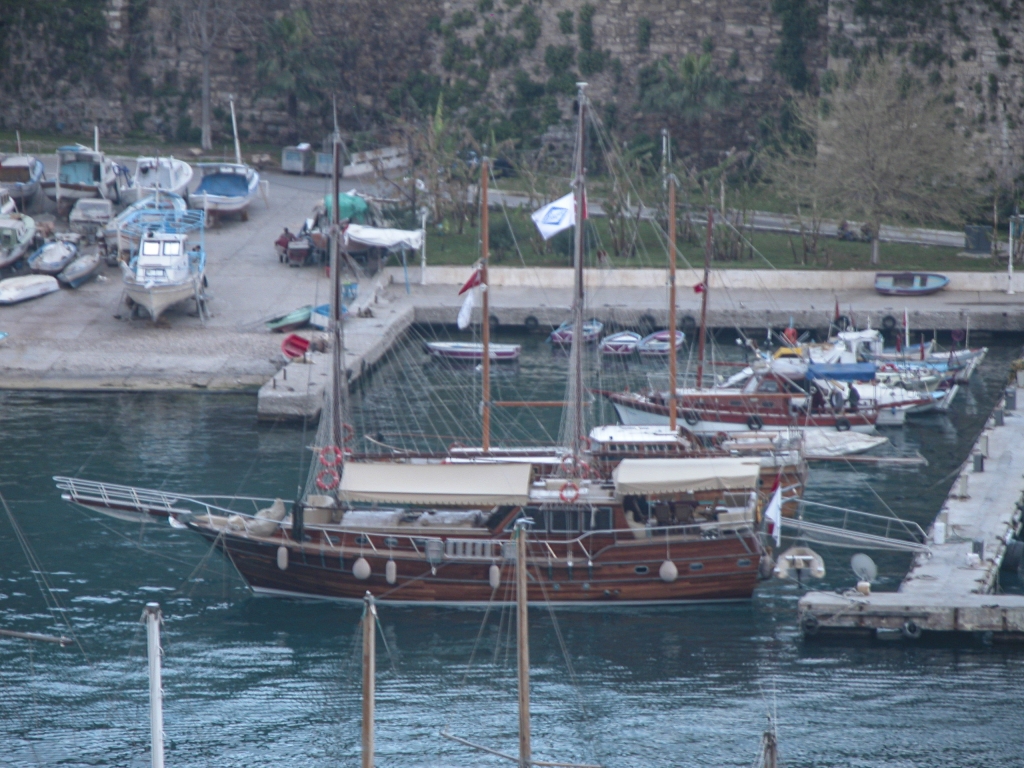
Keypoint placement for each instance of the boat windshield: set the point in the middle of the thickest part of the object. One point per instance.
(79, 173)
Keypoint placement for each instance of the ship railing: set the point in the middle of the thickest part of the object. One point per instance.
(851, 528)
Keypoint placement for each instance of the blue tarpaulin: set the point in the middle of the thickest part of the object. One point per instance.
(841, 371)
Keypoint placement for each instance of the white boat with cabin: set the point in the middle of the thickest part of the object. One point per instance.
(227, 187)
(17, 235)
(20, 176)
(84, 173)
(161, 174)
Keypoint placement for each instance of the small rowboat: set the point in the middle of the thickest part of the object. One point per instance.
(52, 257)
(909, 283)
(657, 343)
(563, 333)
(471, 350)
(16, 289)
(297, 318)
(294, 346)
(620, 344)
(81, 270)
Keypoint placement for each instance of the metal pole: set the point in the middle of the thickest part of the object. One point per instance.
(1009, 261)
(704, 301)
(672, 362)
(152, 617)
(339, 388)
(485, 322)
(423, 248)
(522, 647)
(369, 676)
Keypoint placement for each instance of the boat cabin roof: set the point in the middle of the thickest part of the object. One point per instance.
(18, 161)
(618, 433)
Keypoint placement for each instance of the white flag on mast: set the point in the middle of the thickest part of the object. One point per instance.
(466, 313)
(555, 217)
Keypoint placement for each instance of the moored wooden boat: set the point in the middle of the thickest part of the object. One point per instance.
(471, 350)
(658, 343)
(563, 333)
(909, 283)
(81, 270)
(297, 318)
(619, 344)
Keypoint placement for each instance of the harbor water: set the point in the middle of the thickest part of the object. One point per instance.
(264, 682)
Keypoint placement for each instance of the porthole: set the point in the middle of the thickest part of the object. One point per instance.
(743, 563)
(696, 566)
(641, 569)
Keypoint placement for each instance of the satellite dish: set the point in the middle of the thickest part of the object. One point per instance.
(803, 560)
(864, 567)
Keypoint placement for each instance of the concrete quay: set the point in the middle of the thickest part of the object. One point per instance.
(952, 587)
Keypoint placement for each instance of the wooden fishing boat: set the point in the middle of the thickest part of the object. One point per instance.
(619, 344)
(85, 173)
(909, 283)
(563, 333)
(81, 270)
(297, 318)
(161, 174)
(20, 177)
(658, 343)
(17, 236)
(471, 350)
(52, 257)
(118, 240)
(227, 187)
(14, 290)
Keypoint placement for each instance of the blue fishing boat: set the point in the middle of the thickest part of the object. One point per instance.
(909, 283)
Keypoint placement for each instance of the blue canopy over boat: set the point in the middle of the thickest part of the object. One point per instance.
(841, 371)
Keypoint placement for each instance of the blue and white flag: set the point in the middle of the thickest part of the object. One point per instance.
(555, 217)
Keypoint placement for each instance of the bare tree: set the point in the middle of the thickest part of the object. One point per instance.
(207, 23)
(887, 147)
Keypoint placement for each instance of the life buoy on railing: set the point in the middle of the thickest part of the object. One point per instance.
(843, 424)
(331, 456)
(754, 423)
(888, 322)
(347, 433)
(569, 493)
(691, 417)
(328, 479)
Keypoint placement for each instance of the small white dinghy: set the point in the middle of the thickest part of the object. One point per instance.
(17, 289)
(52, 257)
(471, 350)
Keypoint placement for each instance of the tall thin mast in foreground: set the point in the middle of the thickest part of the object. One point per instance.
(369, 677)
(704, 301)
(522, 646)
(339, 383)
(673, 372)
(576, 350)
(485, 310)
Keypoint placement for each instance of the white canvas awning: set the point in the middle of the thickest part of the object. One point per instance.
(463, 485)
(654, 477)
(361, 236)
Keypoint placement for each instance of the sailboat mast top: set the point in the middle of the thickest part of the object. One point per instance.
(485, 311)
(577, 297)
(704, 301)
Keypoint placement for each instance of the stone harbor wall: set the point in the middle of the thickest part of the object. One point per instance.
(507, 66)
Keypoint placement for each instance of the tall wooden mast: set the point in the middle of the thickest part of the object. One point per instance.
(522, 646)
(704, 300)
(369, 677)
(576, 351)
(339, 382)
(673, 372)
(485, 322)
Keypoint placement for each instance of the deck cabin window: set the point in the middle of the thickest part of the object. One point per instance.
(598, 519)
(768, 385)
(151, 248)
(172, 248)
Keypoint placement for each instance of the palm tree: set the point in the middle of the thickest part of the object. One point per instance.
(689, 91)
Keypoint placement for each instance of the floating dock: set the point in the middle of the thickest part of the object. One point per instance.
(952, 587)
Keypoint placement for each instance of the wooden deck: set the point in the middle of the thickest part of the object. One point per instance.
(945, 591)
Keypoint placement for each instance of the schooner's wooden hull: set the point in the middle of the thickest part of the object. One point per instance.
(622, 573)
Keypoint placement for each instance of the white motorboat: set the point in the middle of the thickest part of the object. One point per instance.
(20, 177)
(161, 174)
(227, 187)
(17, 289)
(89, 217)
(17, 234)
(118, 240)
(471, 350)
(53, 256)
(84, 173)
(166, 270)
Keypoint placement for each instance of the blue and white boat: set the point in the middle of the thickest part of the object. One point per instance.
(84, 173)
(227, 187)
(52, 257)
(118, 240)
(168, 268)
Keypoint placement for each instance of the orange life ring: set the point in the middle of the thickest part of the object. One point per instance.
(569, 493)
(331, 456)
(347, 433)
(328, 479)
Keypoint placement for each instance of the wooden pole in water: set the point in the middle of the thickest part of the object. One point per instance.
(152, 617)
(672, 361)
(704, 300)
(369, 676)
(523, 647)
(485, 308)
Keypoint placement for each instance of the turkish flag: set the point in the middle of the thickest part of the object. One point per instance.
(698, 288)
(473, 282)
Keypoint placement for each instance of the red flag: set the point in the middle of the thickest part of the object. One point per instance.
(698, 288)
(473, 282)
